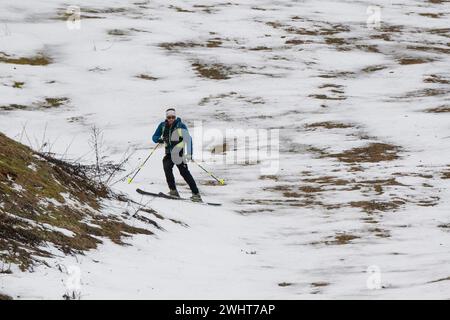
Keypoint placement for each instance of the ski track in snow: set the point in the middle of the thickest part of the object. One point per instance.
(310, 231)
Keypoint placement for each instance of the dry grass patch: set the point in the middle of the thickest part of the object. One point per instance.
(179, 9)
(145, 76)
(38, 60)
(296, 42)
(118, 32)
(175, 46)
(337, 74)
(5, 297)
(444, 226)
(319, 284)
(371, 69)
(446, 174)
(171, 46)
(54, 102)
(18, 84)
(214, 71)
(338, 239)
(214, 43)
(269, 177)
(431, 15)
(374, 152)
(104, 10)
(328, 125)
(368, 48)
(325, 97)
(13, 106)
(411, 60)
(371, 206)
(47, 103)
(34, 190)
(205, 8)
(432, 49)
(285, 284)
(260, 48)
(428, 92)
(440, 109)
(440, 280)
(380, 233)
(445, 32)
(433, 78)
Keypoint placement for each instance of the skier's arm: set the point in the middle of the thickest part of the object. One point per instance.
(157, 135)
(190, 150)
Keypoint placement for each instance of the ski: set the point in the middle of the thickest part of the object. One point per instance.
(166, 196)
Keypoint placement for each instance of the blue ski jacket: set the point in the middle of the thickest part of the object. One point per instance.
(164, 132)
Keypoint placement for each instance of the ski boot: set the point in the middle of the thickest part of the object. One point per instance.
(174, 193)
(196, 197)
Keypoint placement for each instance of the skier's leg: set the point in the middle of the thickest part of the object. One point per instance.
(184, 171)
(168, 166)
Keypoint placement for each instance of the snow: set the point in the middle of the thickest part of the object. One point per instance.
(212, 257)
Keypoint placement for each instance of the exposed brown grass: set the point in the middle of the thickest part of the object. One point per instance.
(47, 103)
(374, 152)
(431, 15)
(214, 43)
(104, 10)
(285, 284)
(411, 61)
(440, 280)
(368, 48)
(31, 193)
(179, 9)
(337, 74)
(371, 69)
(433, 78)
(370, 206)
(380, 233)
(428, 92)
(339, 239)
(38, 60)
(118, 32)
(210, 43)
(326, 97)
(319, 284)
(214, 71)
(5, 297)
(430, 49)
(328, 125)
(54, 102)
(446, 174)
(145, 76)
(176, 45)
(18, 84)
(13, 106)
(440, 109)
(296, 42)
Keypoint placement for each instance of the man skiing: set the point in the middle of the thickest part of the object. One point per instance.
(178, 143)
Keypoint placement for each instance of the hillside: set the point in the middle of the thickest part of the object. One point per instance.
(48, 204)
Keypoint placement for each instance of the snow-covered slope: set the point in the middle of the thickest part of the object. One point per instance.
(363, 182)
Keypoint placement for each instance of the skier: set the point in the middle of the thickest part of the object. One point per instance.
(175, 136)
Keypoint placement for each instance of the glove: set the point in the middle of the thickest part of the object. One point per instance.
(188, 157)
(160, 140)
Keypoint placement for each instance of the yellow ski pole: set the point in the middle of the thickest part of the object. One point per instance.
(221, 181)
(143, 164)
